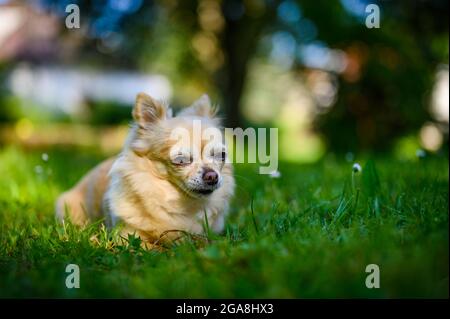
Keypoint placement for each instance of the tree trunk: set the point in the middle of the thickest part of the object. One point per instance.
(239, 41)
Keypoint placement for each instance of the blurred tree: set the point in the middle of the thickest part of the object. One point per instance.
(384, 91)
(245, 23)
(388, 91)
(9, 111)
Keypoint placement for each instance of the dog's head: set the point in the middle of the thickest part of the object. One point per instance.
(188, 150)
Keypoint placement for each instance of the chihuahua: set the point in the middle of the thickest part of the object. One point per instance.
(169, 177)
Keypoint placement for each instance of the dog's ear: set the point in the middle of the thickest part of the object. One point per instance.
(148, 110)
(201, 107)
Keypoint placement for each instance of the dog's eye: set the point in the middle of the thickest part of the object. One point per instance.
(181, 160)
(221, 156)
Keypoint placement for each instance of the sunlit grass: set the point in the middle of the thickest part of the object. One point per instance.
(309, 233)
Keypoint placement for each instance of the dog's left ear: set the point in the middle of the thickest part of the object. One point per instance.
(201, 107)
(147, 110)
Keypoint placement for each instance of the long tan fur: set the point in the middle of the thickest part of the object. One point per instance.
(142, 189)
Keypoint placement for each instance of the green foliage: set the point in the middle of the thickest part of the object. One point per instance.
(305, 234)
(10, 110)
(389, 97)
(383, 94)
(9, 105)
(108, 112)
(370, 179)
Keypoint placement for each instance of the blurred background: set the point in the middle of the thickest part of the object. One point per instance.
(311, 68)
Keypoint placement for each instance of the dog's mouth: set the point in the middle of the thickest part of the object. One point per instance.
(196, 192)
(203, 191)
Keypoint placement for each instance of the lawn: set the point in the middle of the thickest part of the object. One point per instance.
(309, 233)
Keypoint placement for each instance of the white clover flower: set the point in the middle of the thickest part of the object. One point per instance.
(44, 157)
(356, 168)
(275, 174)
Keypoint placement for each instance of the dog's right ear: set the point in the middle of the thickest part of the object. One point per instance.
(148, 110)
(201, 107)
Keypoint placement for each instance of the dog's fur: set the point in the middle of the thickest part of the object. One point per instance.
(144, 188)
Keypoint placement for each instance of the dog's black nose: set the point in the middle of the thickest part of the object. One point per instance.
(210, 177)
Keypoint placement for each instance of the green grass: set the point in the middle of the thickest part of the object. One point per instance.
(305, 235)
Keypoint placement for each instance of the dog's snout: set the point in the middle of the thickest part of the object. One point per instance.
(210, 177)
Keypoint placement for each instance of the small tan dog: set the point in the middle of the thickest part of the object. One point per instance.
(158, 183)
